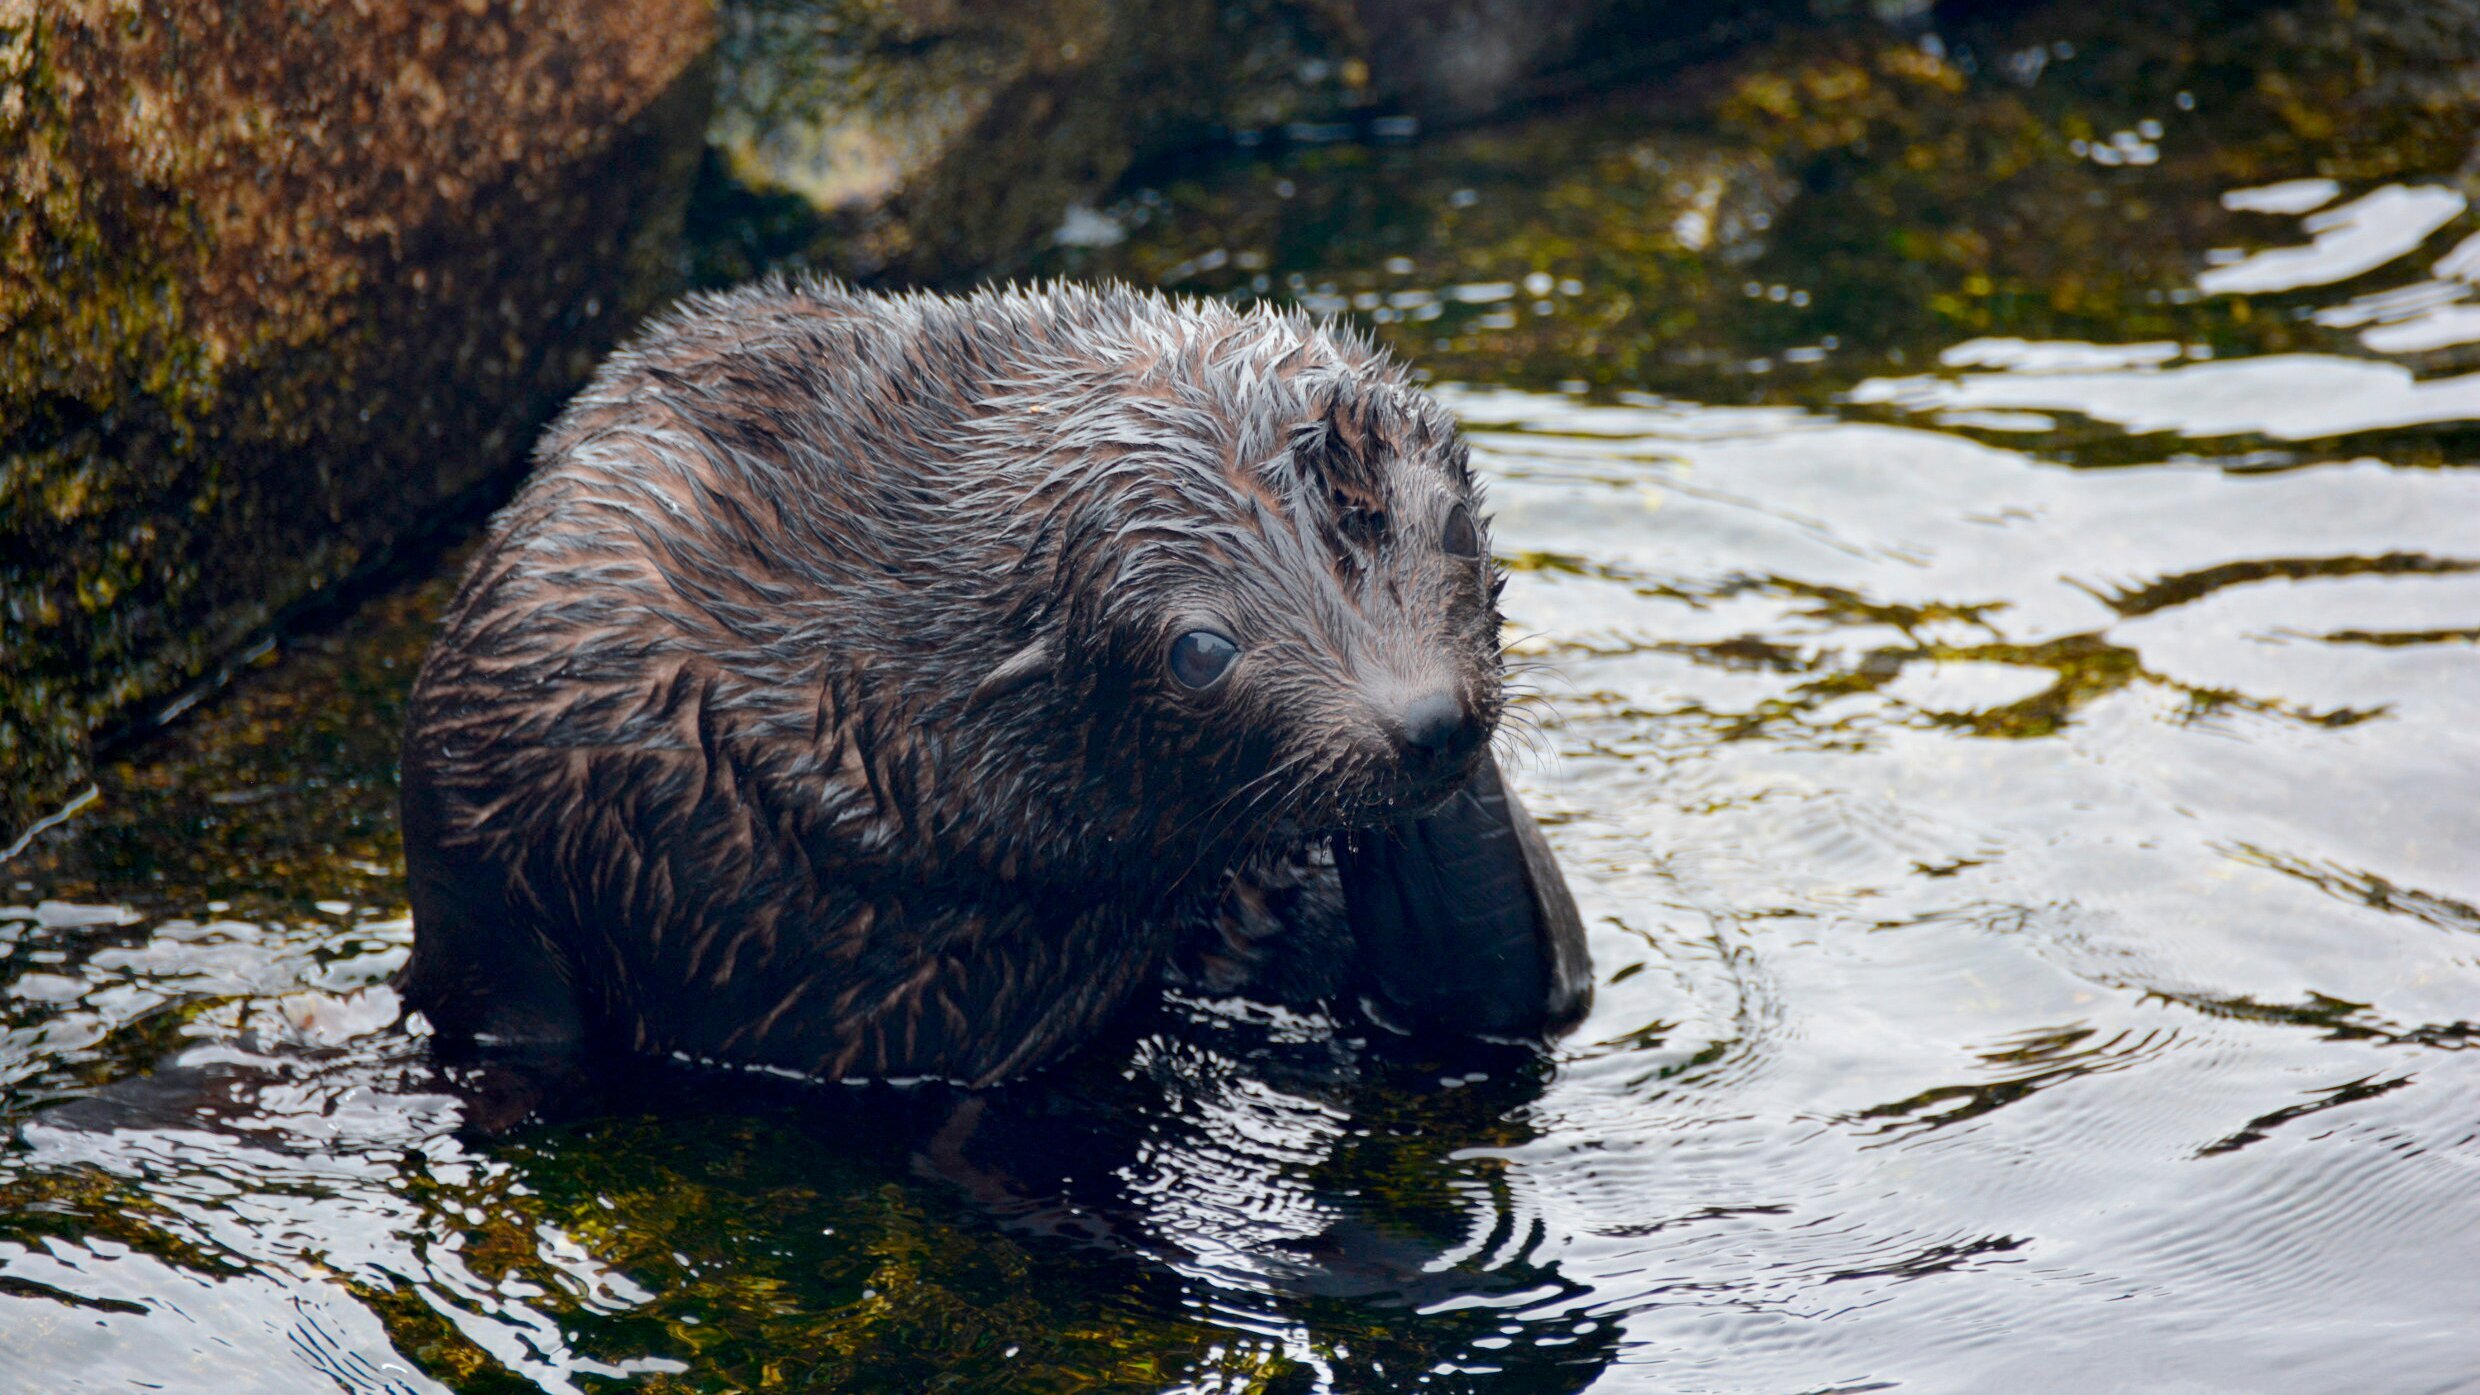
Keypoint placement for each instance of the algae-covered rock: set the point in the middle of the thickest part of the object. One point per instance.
(920, 139)
(1844, 199)
(277, 285)
(928, 140)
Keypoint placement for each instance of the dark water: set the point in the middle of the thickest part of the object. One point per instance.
(2012, 616)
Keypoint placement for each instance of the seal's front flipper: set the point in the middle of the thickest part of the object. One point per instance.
(1462, 922)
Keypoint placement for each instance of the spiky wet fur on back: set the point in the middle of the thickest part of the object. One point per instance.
(807, 706)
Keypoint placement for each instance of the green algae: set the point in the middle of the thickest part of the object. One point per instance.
(91, 316)
(273, 793)
(232, 376)
(1839, 200)
(934, 143)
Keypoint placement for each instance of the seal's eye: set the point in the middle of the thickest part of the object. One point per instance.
(1459, 537)
(1201, 657)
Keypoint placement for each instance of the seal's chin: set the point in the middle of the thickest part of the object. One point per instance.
(1422, 791)
(1383, 790)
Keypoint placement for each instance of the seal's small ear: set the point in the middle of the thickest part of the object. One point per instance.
(1027, 665)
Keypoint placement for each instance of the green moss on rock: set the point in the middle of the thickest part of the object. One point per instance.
(932, 140)
(1839, 200)
(267, 307)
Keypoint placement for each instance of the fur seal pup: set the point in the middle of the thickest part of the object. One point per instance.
(887, 686)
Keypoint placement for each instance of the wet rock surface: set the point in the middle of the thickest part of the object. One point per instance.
(918, 141)
(1762, 227)
(266, 307)
(936, 140)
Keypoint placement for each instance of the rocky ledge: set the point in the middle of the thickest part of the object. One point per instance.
(279, 284)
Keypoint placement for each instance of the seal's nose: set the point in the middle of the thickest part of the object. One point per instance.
(1435, 725)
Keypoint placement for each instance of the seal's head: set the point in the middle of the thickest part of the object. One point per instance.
(1263, 552)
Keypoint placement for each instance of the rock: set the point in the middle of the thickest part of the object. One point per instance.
(922, 140)
(270, 304)
(932, 140)
(1453, 60)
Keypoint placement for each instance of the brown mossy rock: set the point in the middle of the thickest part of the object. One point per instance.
(932, 141)
(926, 140)
(278, 285)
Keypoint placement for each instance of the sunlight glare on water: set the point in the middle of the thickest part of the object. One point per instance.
(1917, 1040)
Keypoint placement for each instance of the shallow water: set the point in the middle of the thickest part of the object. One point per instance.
(2019, 785)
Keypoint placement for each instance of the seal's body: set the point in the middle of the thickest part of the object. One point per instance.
(878, 687)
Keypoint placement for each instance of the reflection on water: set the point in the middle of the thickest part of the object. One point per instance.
(2034, 907)
(2027, 1010)
(2288, 397)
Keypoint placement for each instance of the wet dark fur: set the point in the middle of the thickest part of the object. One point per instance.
(808, 707)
